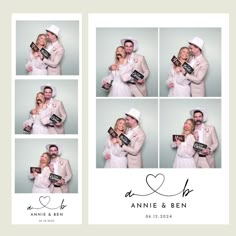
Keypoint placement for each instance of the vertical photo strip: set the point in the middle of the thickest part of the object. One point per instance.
(47, 119)
(158, 137)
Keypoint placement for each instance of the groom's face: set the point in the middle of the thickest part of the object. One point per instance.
(130, 121)
(53, 152)
(193, 50)
(48, 93)
(198, 118)
(50, 36)
(129, 47)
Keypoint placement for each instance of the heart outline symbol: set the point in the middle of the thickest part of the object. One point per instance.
(155, 176)
(43, 202)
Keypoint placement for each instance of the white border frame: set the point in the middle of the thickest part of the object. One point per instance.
(107, 204)
(73, 211)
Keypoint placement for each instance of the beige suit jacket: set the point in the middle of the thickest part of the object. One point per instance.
(53, 62)
(64, 170)
(139, 63)
(198, 77)
(134, 149)
(211, 140)
(58, 109)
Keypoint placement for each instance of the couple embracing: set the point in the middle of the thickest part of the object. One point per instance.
(127, 62)
(119, 155)
(43, 117)
(49, 63)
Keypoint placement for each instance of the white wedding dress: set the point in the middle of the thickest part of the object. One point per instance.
(185, 152)
(181, 84)
(39, 120)
(38, 66)
(118, 157)
(119, 79)
(41, 181)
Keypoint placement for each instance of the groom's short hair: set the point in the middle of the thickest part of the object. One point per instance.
(53, 145)
(47, 87)
(128, 41)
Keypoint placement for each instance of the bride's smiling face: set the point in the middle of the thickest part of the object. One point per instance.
(184, 54)
(121, 125)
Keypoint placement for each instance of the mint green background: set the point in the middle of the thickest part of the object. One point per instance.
(108, 39)
(66, 91)
(108, 111)
(172, 39)
(173, 114)
(26, 157)
(28, 31)
(103, 6)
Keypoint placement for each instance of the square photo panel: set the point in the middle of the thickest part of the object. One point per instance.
(190, 62)
(129, 62)
(46, 182)
(47, 44)
(190, 132)
(128, 136)
(45, 107)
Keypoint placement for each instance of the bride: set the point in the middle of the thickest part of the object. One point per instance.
(35, 66)
(41, 180)
(115, 157)
(119, 75)
(39, 117)
(178, 85)
(185, 152)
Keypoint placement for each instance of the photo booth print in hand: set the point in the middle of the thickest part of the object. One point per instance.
(43, 51)
(199, 147)
(112, 132)
(107, 86)
(179, 137)
(35, 169)
(176, 61)
(54, 178)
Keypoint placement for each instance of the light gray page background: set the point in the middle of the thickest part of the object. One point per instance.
(103, 6)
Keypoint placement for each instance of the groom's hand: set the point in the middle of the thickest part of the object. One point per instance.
(140, 81)
(58, 124)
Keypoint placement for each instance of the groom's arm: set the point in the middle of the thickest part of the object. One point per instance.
(137, 146)
(144, 68)
(56, 60)
(200, 75)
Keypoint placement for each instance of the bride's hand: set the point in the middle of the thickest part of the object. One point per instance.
(114, 140)
(171, 85)
(108, 156)
(29, 68)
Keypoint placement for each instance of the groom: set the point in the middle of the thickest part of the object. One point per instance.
(138, 89)
(56, 50)
(137, 137)
(56, 108)
(200, 65)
